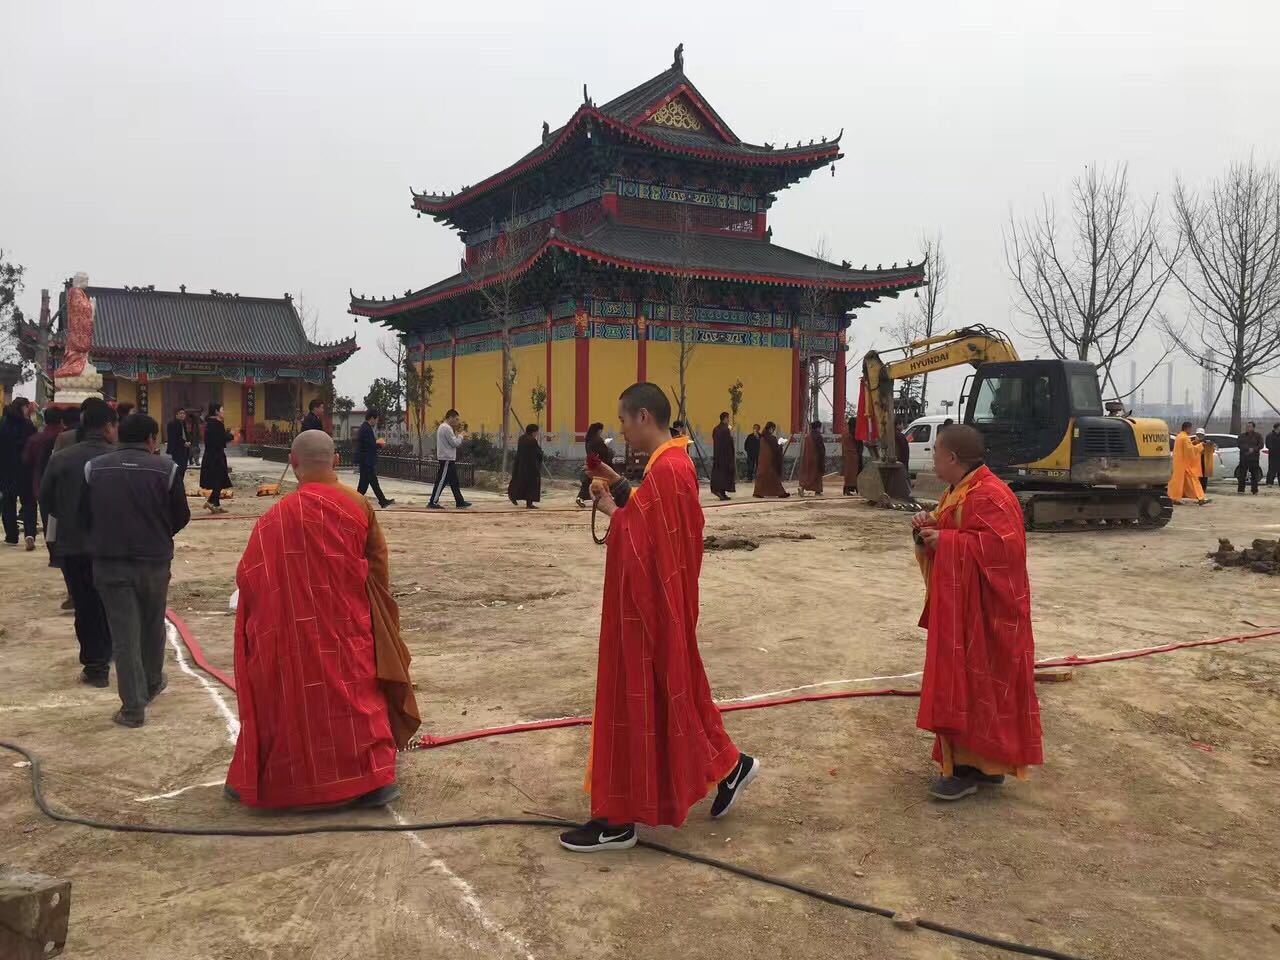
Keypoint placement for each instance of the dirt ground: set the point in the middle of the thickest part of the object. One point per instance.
(1151, 832)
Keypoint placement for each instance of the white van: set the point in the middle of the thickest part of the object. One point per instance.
(921, 434)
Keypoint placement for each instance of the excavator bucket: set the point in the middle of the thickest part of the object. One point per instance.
(885, 483)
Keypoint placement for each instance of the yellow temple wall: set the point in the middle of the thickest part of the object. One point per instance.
(613, 369)
(765, 373)
(564, 365)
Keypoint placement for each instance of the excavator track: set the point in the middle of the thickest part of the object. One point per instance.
(1066, 511)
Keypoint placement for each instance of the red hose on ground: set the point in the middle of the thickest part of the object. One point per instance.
(430, 741)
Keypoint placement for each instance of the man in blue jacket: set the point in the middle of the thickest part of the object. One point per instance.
(367, 458)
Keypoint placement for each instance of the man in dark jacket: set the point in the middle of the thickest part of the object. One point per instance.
(36, 454)
(314, 420)
(751, 447)
(134, 505)
(367, 458)
(61, 490)
(177, 446)
(1250, 459)
(1273, 454)
(15, 476)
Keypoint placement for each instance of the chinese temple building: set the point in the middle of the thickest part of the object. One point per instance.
(636, 226)
(162, 350)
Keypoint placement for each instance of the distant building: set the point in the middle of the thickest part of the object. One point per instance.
(164, 349)
(10, 374)
(585, 239)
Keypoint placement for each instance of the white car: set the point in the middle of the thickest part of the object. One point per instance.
(921, 434)
(1226, 456)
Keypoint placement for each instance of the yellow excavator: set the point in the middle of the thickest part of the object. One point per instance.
(1047, 436)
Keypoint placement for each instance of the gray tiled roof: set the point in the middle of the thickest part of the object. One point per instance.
(698, 253)
(158, 322)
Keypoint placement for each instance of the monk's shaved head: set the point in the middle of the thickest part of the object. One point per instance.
(312, 455)
(966, 443)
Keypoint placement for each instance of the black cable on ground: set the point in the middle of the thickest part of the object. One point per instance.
(37, 793)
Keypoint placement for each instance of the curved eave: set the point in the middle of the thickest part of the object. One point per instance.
(379, 310)
(338, 352)
(816, 154)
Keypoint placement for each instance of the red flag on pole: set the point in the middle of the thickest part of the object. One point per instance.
(865, 427)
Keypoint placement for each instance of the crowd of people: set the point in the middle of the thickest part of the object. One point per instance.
(323, 685)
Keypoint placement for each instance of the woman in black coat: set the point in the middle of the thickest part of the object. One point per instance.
(595, 444)
(15, 476)
(214, 475)
(526, 474)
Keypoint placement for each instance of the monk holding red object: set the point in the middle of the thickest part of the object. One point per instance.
(657, 741)
(978, 693)
(321, 673)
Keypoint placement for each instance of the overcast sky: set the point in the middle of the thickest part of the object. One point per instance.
(269, 146)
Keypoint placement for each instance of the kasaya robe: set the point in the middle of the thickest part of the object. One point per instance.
(978, 692)
(813, 462)
(724, 460)
(526, 473)
(322, 677)
(657, 741)
(1187, 470)
(769, 469)
(851, 450)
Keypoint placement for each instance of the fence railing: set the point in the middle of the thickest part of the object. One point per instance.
(397, 465)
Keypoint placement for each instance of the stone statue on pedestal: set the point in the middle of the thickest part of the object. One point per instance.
(77, 378)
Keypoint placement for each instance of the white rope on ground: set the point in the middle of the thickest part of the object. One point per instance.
(232, 722)
(466, 892)
(181, 790)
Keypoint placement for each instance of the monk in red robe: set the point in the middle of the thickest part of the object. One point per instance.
(978, 694)
(322, 676)
(658, 744)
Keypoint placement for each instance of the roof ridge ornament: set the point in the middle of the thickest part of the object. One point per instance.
(677, 61)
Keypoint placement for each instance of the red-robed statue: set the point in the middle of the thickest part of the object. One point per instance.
(978, 693)
(658, 744)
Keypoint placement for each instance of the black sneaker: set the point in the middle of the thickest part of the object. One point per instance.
(100, 680)
(375, 798)
(464, 504)
(434, 506)
(129, 719)
(731, 787)
(386, 503)
(153, 692)
(598, 836)
(953, 788)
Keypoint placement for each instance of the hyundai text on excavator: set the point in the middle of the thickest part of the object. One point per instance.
(1045, 430)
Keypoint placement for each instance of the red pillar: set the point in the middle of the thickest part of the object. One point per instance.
(248, 407)
(453, 372)
(797, 383)
(838, 388)
(550, 332)
(582, 378)
(642, 344)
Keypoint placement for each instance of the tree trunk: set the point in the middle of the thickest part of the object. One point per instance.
(924, 392)
(1237, 392)
(506, 409)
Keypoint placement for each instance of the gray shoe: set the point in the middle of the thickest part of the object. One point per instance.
(953, 788)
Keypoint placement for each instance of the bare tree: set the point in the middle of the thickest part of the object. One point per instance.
(815, 302)
(1090, 289)
(924, 318)
(1232, 273)
(392, 347)
(682, 291)
(495, 275)
(419, 384)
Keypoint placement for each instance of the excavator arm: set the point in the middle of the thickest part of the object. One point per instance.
(972, 345)
(884, 475)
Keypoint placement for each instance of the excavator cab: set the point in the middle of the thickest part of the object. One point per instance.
(1024, 408)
